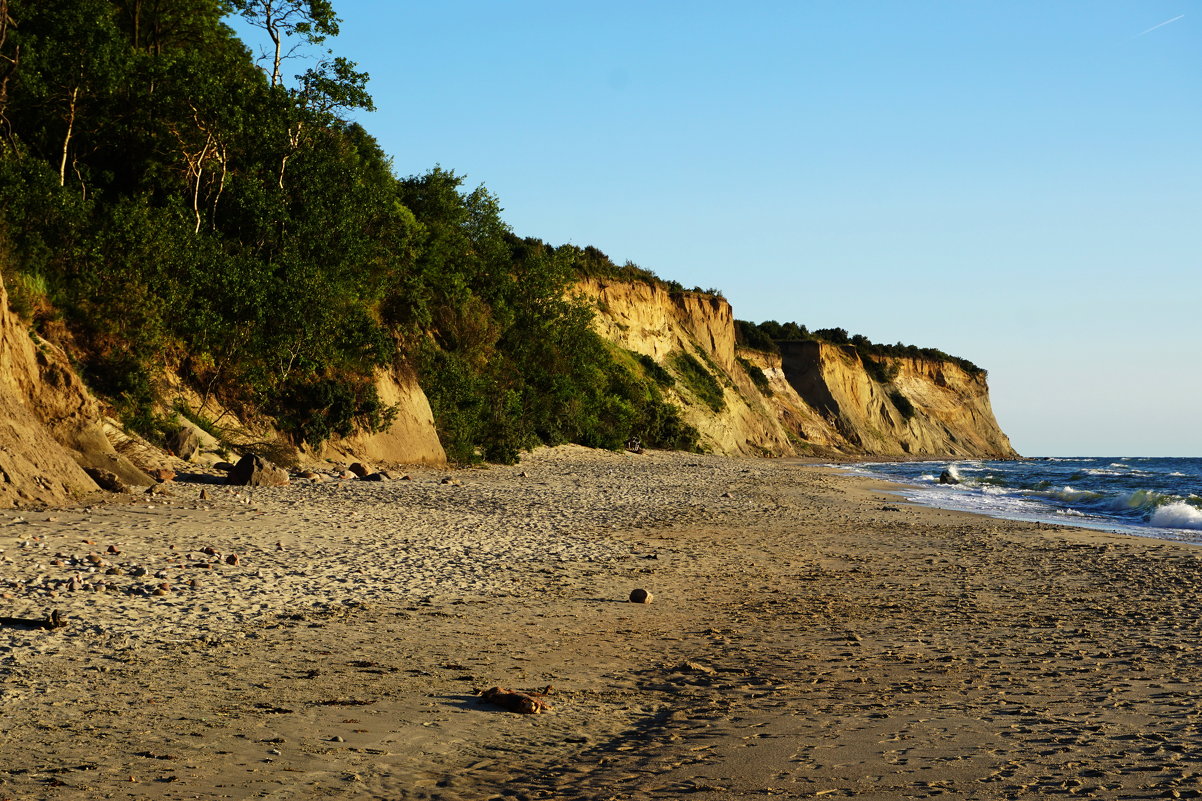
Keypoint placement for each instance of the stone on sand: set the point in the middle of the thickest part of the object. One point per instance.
(255, 471)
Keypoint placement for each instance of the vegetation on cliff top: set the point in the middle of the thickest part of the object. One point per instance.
(765, 336)
(168, 207)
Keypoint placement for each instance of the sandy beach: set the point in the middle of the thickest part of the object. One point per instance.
(810, 636)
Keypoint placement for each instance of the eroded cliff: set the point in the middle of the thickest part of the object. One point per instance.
(649, 319)
(811, 399)
(897, 406)
(51, 427)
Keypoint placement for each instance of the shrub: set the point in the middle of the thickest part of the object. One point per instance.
(757, 375)
(699, 380)
(653, 370)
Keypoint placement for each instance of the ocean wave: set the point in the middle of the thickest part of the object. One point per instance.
(1177, 515)
(1140, 499)
(1070, 495)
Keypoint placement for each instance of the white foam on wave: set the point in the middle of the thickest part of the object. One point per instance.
(1071, 495)
(953, 472)
(928, 477)
(1177, 515)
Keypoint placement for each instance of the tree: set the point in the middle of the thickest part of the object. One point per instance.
(72, 55)
(333, 87)
(311, 20)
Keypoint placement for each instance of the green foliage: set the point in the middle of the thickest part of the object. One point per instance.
(653, 370)
(902, 404)
(184, 212)
(756, 374)
(312, 411)
(699, 380)
(865, 347)
(787, 332)
(880, 370)
(754, 337)
(589, 262)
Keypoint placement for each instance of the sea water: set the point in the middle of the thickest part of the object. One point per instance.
(1155, 497)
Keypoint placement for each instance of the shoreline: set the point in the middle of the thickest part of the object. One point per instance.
(810, 636)
(1019, 504)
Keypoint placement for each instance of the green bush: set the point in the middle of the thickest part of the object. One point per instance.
(655, 371)
(316, 409)
(756, 374)
(878, 369)
(699, 380)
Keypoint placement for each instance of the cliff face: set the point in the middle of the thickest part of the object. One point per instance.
(651, 320)
(50, 425)
(411, 438)
(926, 408)
(817, 399)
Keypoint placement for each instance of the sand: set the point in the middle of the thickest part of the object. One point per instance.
(810, 636)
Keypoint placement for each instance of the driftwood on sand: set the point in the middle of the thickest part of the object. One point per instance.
(524, 703)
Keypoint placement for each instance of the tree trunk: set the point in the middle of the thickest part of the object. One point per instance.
(200, 160)
(62, 167)
(8, 64)
(273, 30)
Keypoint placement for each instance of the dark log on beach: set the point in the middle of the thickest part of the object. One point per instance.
(54, 620)
(522, 703)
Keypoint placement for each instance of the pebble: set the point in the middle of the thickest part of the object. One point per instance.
(641, 596)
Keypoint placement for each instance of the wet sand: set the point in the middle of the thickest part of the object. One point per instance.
(810, 636)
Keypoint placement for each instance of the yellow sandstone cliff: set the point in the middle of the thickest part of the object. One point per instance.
(817, 399)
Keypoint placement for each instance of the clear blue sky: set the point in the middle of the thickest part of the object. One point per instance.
(1019, 183)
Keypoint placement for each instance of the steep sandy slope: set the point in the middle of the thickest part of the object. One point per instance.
(811, 433)
(39, 398)
(411, 438)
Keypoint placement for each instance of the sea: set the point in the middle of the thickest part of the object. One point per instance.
(1152, 497)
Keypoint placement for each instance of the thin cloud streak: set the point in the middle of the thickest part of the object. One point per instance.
(1161, 25)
